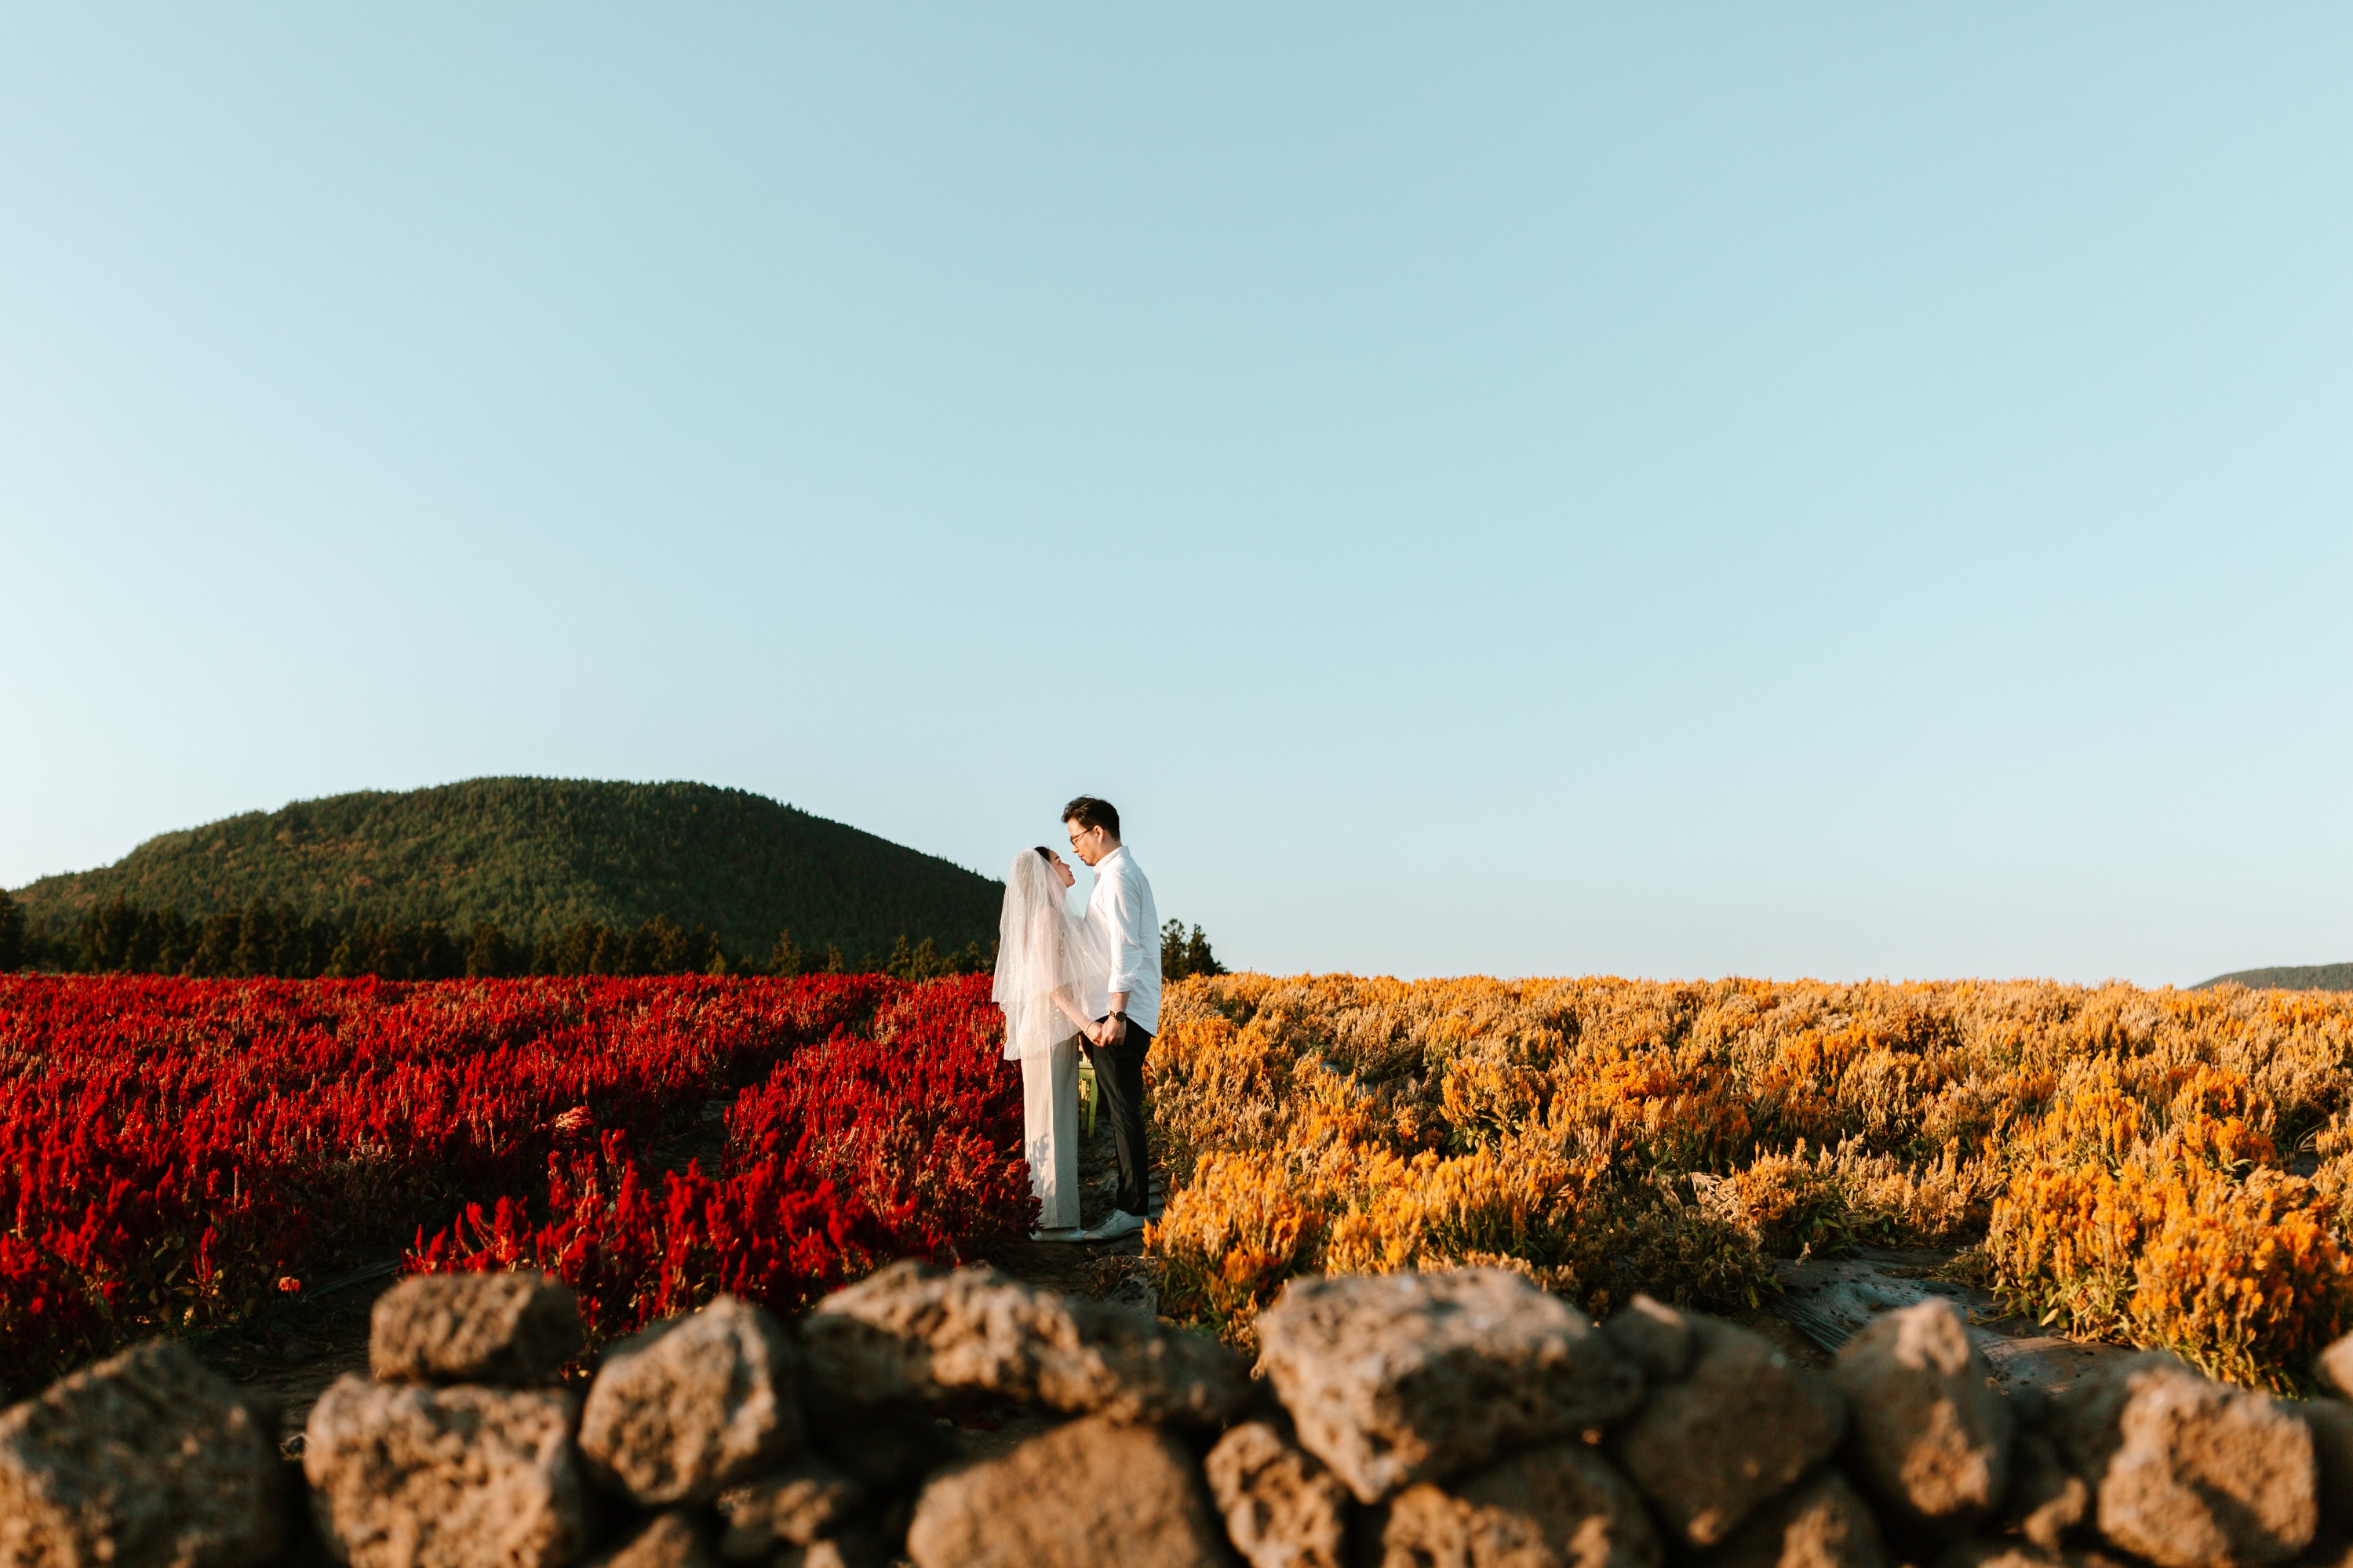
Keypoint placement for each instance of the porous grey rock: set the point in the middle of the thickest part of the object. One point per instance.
(2046, 1501)
(403, 1476)
(2029, 1405)
(670, 1540)
(144, 1460)
(1283, 1508)
(2335, 1366)
(1397, 1378)
(856, 1548)
(693, 1405)
(915, 1332)
(474, 1328)
(1931, 1437)
(1980, 1552)
(1822, 1522)
(1653, 1336)
(1090, 1492)
(1558, 1505)
(881, 1447)
(2331, 1421)
(1741, 1427)
(2187, 1472)
(793, 1508)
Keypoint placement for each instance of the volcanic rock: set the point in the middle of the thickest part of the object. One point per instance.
(145, 1458)
(915, 1332)
(2331, 1421)
(1742, 1426)
(2336, 1367)
(1088, 1493)
(1396, 1378)
(881, 1447)
(668, 1541)
(1819, 1523)
(512, 1328)
(407, 1476)
(2187, 1472)
(693, 1405)
(792, 1508)
(2046, 1499)
(1283, 1508)
(1653, 1336)
(1998, 1553)
(857, 1548)
(1931, 1437)
(1556, 1505)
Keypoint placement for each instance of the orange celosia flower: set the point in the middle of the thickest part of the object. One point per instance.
(2117, 1151)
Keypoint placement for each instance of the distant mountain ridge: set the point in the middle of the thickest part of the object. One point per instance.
(534, 856)
(2305, 977)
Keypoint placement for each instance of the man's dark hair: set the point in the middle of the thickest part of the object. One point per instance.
(1090, 812)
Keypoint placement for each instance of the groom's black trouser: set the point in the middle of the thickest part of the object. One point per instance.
(1119, 1079)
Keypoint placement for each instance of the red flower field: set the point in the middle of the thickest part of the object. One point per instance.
(174, 1152)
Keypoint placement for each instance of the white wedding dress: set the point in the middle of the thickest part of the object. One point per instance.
(1048, 973)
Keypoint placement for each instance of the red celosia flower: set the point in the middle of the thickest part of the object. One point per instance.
(176, 1153)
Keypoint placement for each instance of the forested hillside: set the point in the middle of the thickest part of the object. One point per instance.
(535, 856)
(2305, 977)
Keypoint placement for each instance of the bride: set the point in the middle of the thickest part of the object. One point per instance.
(1049, 981)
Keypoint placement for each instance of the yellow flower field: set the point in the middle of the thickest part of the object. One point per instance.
(2167, 1167)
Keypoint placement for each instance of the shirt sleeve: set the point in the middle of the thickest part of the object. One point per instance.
(1130, 953)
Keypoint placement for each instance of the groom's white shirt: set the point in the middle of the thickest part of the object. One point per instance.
(1127, 924)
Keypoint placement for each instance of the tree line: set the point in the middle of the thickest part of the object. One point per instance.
(266, 940)
(1182, 955)
(122, 937)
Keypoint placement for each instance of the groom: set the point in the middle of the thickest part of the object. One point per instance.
(1122, 913)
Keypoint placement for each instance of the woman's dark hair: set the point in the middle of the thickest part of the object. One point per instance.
(1089, 813)
(1045, 854)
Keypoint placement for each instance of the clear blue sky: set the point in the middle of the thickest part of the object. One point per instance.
(1780, 490)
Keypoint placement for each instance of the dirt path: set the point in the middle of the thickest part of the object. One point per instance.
(1113, 1270)
(297, 1350)
(301, 1346)
(304, 1346)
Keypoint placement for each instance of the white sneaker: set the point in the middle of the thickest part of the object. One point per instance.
(1121, 1223)
(1059, 1233)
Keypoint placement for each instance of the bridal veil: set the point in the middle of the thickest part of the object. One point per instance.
(1039, 950)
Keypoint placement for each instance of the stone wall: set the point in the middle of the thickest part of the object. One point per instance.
(1459, 1420)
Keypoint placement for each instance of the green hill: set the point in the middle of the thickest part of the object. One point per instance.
(2306, 977)
(534, 856)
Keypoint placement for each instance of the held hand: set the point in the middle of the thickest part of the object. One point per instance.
(1114, 1030)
